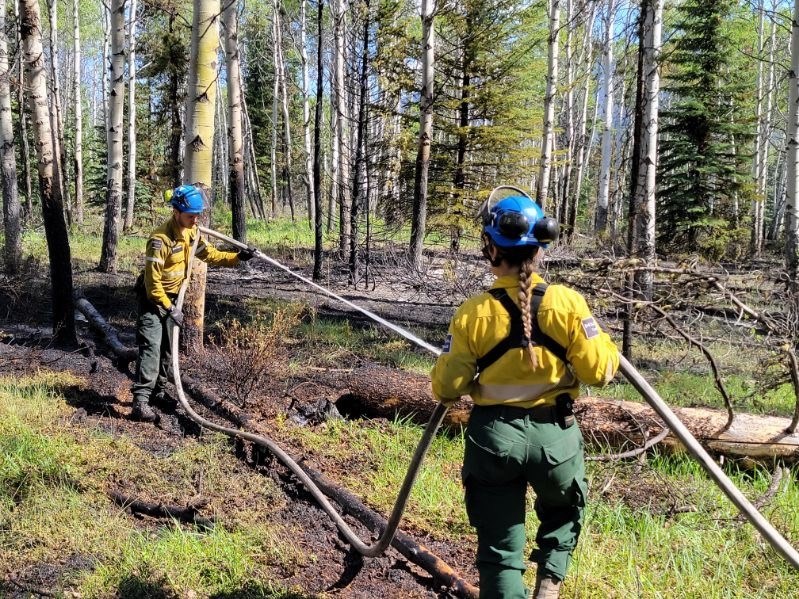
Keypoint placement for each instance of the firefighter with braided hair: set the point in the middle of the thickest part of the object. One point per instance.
(521, 350)
(165, 268)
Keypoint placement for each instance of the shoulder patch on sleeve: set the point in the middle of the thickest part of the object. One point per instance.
(156, 244)
(590, 328)
(447, 344)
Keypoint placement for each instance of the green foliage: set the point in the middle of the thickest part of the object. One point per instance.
(706, 132)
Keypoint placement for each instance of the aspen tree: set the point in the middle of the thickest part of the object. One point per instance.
(608, 69)
(12, 225)
(114, 137)
(792, 157)
(78, 108)
(425, 134)
(199, 136)
(55, 226)
(23, 122)
(310, 184)
(230, 21)
(131, 196)
(58, 120)
(548, 135)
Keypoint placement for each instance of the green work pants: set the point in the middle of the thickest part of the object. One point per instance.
(154, 339)
(506, 449)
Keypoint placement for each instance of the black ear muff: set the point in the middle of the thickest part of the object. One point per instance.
(546, 230)
(513, 225)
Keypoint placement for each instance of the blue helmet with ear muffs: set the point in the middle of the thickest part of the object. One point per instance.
(188, 198)
(517, 221)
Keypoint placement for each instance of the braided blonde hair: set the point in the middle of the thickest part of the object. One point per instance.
(526, 269)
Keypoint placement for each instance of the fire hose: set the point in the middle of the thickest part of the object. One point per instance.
(749, 511)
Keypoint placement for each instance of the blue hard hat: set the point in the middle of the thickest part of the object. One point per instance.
(189, 199)
(517, 221)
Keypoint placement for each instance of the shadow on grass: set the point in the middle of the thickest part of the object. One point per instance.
(258, 590)
(134, 587)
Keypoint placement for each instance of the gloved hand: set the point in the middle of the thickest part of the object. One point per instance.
(247, 254)
(176, 314)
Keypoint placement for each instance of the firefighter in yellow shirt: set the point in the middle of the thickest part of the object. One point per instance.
(521, 351)
(165, 269)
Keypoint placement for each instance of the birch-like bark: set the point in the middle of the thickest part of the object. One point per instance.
(644, 198)
(57, 112)
(275, 92)
(199, 136)
(792, 157)
(358, 188)
(23, 123)
(767, 128)
(114, 139)
(310, 185)
(317, 156)
(419, 218)
(230, 21)
(131, 196)
(12, 225)
(344, 195)
(55, 227)
(567, 117)
(78, 107)
(581, 144)
(548, 135)
(280, 66)
(603, 195)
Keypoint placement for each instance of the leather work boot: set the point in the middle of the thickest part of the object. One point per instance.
(546, 587)
(142, 411)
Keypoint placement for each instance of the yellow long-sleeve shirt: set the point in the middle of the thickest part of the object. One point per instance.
(481, 322)
(167, 257)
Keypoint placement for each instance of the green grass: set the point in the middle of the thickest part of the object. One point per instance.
(54, 479)
(626, 550)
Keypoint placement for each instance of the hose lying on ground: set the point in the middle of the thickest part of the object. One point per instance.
(774, 538)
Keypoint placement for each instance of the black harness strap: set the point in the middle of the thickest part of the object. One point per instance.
(516, 337)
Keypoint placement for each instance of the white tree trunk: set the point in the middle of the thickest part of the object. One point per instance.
(603, 196)
(114, 139)
(343, 193)
(275, 92)
(131, 199)
(548, 135)
(280, 66)
(306, 119)
(235, 141)
(78, 107)
(792, 155)
(57, 113)
(419, 217)
(644, 221)
(51, 200)
(199, 140)
(582, 142)
(12, 224)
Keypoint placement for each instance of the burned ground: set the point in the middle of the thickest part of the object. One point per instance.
(101, 400)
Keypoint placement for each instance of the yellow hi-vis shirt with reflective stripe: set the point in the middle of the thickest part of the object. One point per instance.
(166, 258)
(481, 322)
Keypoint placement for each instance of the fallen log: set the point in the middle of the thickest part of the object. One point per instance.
(403, 543)
(188, 514)
(382, 392)
(108, 332)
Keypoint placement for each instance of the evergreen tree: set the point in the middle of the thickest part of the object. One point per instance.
(706, 132)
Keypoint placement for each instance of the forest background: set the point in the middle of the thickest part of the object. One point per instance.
(654, 130)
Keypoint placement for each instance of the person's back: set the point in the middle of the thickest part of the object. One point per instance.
(522, 428)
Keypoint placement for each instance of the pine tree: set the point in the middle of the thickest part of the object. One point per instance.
(706, 133)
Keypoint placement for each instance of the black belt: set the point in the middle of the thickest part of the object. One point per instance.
(544, 414)
(561, 413)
